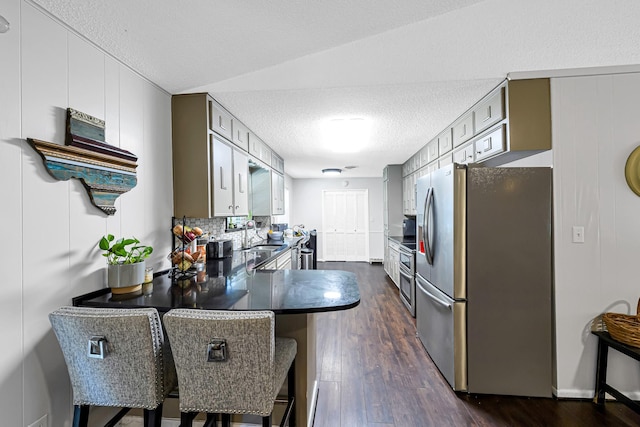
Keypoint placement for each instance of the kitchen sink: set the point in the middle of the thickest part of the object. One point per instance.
(265, 248)
(277, 247)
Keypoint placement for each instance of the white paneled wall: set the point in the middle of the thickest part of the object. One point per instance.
(50, 227)
(11, 368)
(595, 128)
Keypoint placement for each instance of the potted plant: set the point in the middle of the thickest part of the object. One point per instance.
(125, 263)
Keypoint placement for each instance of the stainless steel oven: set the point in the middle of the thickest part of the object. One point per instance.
(407, 276)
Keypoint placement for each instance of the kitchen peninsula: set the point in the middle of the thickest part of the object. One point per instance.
(293, 295)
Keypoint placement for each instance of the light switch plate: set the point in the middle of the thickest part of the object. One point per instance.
(578, 234)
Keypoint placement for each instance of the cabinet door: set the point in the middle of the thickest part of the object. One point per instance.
(406, 195)
(220, 120)
(445, 143)
(432, 152)
(277, 193)
(284, 262)
(276, 162)
(490, 111)
(464, 155)
(240, 183)
(265, 153)
(255, 146)
(445, 160)
(222, 178)
(490, 144)
(412, 189)
(463, 129)
(240, 135)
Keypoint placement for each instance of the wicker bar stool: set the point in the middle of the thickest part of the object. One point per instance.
(117, 358)
(230, 362)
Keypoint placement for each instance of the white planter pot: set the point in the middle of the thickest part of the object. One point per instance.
(125, 275)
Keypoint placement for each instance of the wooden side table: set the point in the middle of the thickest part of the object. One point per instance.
(604, 342)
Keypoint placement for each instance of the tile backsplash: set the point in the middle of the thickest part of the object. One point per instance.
(216, 227)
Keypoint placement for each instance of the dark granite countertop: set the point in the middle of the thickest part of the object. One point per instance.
(230, 285)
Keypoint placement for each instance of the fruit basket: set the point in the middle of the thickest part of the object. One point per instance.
(187, 256)
(624, 327)
(186, 234)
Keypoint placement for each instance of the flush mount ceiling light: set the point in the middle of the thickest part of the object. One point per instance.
(346, 135)
(332, 171)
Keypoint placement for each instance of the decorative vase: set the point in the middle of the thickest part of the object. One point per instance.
(125, 278)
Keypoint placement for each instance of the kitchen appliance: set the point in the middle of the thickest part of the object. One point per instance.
(407, 269)
(275, 236)
(218, 249)
(408, 228)
(484, 277)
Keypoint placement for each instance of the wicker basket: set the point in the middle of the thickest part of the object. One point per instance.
(624, 327)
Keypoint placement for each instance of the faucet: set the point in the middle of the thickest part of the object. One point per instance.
(244, 238)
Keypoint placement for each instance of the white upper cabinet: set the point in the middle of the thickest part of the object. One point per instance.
(445, 143)
(220, 121)
(489, 144)
(276, 162)
(259, 149)
(222, 177)
(463, 129)
(489, 111)
(277, 193)
(240, 135)
(229, 177)
(210, 160)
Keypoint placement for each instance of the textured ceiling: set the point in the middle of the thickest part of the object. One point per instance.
(410, 66)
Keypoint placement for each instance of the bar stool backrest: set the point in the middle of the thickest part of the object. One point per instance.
(115, 357)
(224, 360)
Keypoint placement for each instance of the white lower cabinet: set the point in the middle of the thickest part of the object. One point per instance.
(394, 262)
(282, 262)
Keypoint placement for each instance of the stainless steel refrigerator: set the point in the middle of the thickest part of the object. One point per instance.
(484, 308)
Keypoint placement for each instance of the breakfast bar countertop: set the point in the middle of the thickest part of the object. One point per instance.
(228, 285)
(232, 284)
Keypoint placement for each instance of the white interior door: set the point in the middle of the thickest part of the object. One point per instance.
(357, 226)
(345, 223)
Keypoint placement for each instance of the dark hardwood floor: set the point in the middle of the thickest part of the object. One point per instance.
(374, 372)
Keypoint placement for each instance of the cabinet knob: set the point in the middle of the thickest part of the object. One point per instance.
(230, 207)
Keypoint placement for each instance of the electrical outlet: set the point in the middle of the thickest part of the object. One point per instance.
(42, 422)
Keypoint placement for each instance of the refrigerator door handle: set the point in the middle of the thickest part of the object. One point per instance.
(433, 297)
(428, 206)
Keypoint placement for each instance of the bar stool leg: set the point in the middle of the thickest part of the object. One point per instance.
(211, 421)
(80, 415)
(291, 392)
(226, 420)
(153, 417)
(186, 418)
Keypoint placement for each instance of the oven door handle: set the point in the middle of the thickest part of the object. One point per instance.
(405, 274)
